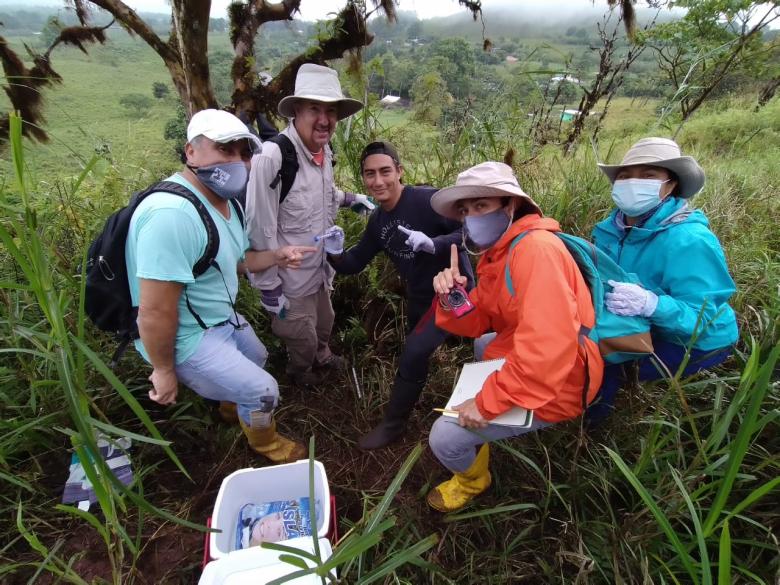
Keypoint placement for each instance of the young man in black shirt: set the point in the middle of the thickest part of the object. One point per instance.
(417, 240)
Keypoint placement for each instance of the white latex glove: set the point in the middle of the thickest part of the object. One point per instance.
(362, 203)
(418, 240)
(332, 240)
(629, 300)
(274, 301)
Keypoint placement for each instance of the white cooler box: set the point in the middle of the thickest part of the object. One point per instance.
(257, 565)
(265, 484)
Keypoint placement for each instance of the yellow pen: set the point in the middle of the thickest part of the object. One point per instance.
(447, 411)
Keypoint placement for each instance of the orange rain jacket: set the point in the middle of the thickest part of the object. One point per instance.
(537, 328)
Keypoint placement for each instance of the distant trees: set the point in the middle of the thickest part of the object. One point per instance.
(429, 97)
(184, 52)
(454, 60)
(160, 90)
(714, 40)
(137, 104)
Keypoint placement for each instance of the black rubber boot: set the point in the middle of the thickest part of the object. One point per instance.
(403, 397)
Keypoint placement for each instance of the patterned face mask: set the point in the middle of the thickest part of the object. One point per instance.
(227, 180)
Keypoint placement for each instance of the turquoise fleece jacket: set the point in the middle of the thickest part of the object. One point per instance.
(676, 256)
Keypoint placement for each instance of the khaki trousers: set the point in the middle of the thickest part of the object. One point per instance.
(305, 330)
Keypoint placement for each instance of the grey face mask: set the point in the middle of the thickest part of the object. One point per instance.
(486, 230)
(227, 180)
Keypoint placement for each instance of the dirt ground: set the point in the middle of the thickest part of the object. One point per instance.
(211, 449)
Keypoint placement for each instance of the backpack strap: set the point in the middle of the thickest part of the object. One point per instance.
(239, 209)
(289, 167)
(212, 235)
(584, 331)
(507, 273)
(209, 256)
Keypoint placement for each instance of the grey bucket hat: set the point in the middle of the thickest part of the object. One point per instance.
(318, 84)
(664, 153)
(487, 179)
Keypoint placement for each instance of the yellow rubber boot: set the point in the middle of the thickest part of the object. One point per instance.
(458, 491)
(270, 444)
(228, 412)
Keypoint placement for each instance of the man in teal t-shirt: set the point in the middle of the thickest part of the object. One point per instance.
(189, 328)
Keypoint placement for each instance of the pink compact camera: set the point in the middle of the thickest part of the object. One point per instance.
(458, 301)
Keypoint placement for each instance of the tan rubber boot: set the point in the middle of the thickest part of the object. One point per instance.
(267, 442)
(458, 491)
(228, 412)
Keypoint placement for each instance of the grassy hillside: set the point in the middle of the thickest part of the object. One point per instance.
(680, 485)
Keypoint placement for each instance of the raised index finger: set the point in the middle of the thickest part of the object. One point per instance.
(454, 260)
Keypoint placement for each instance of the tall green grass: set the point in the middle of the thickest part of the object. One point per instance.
(680, 487)
(49, 326)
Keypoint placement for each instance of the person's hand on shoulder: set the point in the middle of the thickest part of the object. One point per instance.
(362, 204)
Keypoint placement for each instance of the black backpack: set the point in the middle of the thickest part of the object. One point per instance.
(107, 299)
(289, 167)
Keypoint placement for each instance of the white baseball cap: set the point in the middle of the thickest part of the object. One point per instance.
(221, 126)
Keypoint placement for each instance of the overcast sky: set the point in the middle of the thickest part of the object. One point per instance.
(319, 9)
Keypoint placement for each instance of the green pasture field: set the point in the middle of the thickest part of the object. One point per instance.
(679, 486)
(84, 116)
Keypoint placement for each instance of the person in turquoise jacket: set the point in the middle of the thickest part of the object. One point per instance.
(686, 285)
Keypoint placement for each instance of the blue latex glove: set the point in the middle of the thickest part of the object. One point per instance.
(332, 240)
(274, 301)
(418, 240)
(630, 300)
(362, 204)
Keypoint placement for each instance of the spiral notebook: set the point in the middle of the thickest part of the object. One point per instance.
(470, 381)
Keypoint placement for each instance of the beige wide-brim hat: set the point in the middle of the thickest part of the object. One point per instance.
(487, 179)
(318, 84)
(664, 153)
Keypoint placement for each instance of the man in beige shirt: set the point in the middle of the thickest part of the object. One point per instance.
(300, 300)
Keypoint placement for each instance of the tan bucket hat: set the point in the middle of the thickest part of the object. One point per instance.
(664, 153)
(487, 179)
(318, 84)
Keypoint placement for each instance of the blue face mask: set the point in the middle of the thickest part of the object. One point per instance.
(635, 197)
(486, 230)
(227, 180)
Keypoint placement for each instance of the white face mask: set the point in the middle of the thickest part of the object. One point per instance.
(635, 197)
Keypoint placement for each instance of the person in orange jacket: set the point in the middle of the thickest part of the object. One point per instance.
(537, 330)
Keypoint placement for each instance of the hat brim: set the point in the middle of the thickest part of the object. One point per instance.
(690, 176)
(444, 200)
(346, 106)
(253, 140)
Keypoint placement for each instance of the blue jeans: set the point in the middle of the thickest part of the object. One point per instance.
(669, 354)
(456, 447)
(228, 365)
